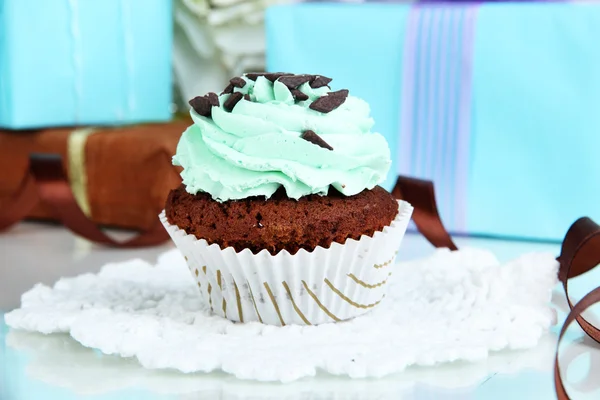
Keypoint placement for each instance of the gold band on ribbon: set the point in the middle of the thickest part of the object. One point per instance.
(347, 300)
(77, 168)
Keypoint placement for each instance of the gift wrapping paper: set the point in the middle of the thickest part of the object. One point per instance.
(495, 102)
(119, 176)
(78, 62)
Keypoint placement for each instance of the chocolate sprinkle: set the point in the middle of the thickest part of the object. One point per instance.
(293, 81)
(213, 99)
(276, 75)
(228, 89)
(247, 97)
(254, 75)
(312, 137)
(319, 81)
(232, 101)
(298, 95)
(203, 104)
(330, 102)
(237, 82)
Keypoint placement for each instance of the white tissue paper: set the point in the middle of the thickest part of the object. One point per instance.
(450, 306)
(216, 40)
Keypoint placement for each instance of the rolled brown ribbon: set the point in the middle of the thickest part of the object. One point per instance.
(580, 253)
(46, 180)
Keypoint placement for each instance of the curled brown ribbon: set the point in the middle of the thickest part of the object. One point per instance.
(47, 181)
(421, 195)
(580, 253)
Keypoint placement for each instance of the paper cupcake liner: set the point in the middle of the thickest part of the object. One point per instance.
(307, 288)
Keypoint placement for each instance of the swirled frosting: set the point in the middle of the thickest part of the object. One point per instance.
(257, 147)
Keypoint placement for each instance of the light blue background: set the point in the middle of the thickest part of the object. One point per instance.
(535, 144)
(345, 43)
(535, 141)
(37, 61)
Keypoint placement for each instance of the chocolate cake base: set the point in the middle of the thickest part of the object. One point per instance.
(280, 222)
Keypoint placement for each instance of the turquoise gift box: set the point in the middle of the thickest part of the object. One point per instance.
(84, 62)
(497, 103)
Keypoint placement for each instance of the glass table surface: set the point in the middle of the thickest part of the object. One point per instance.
(47, 367)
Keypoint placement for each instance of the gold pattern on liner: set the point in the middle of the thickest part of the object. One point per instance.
(196, 272)
(321, 306)
(347, 300)
(204, 269)
(367, 285)
(224, 306)
(385, 264)
(254, 302)
(210, 297)
(239, 302)
(298, 311)
(274, 303)
(185, 258)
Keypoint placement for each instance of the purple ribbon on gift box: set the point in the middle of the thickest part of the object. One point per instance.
(435, 108)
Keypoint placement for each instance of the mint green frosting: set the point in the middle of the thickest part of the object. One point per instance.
(256, 148)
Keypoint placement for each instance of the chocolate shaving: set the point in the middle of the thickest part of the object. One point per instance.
(232, 100)
(237, 82)
(247, 97)
(312, 137)
(330, 102)
(228, 89)
(254, 75)
(319, 81)
(293, 81)
(203, 104)
(276, 75)
(213, 99)
(298, 95)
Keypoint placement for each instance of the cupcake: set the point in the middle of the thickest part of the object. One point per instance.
(280, 217)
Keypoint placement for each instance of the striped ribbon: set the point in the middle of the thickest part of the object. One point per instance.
(435, 109)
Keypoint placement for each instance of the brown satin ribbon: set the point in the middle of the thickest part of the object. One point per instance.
(580, 253)
(421, 195)
(19, 205)
(47, 181)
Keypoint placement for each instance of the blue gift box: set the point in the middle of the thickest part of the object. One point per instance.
(498, 103)
(75, 62)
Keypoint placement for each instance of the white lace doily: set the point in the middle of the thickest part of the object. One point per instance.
(450, 306)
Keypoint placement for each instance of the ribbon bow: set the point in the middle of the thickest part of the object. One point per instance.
(46, 181)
